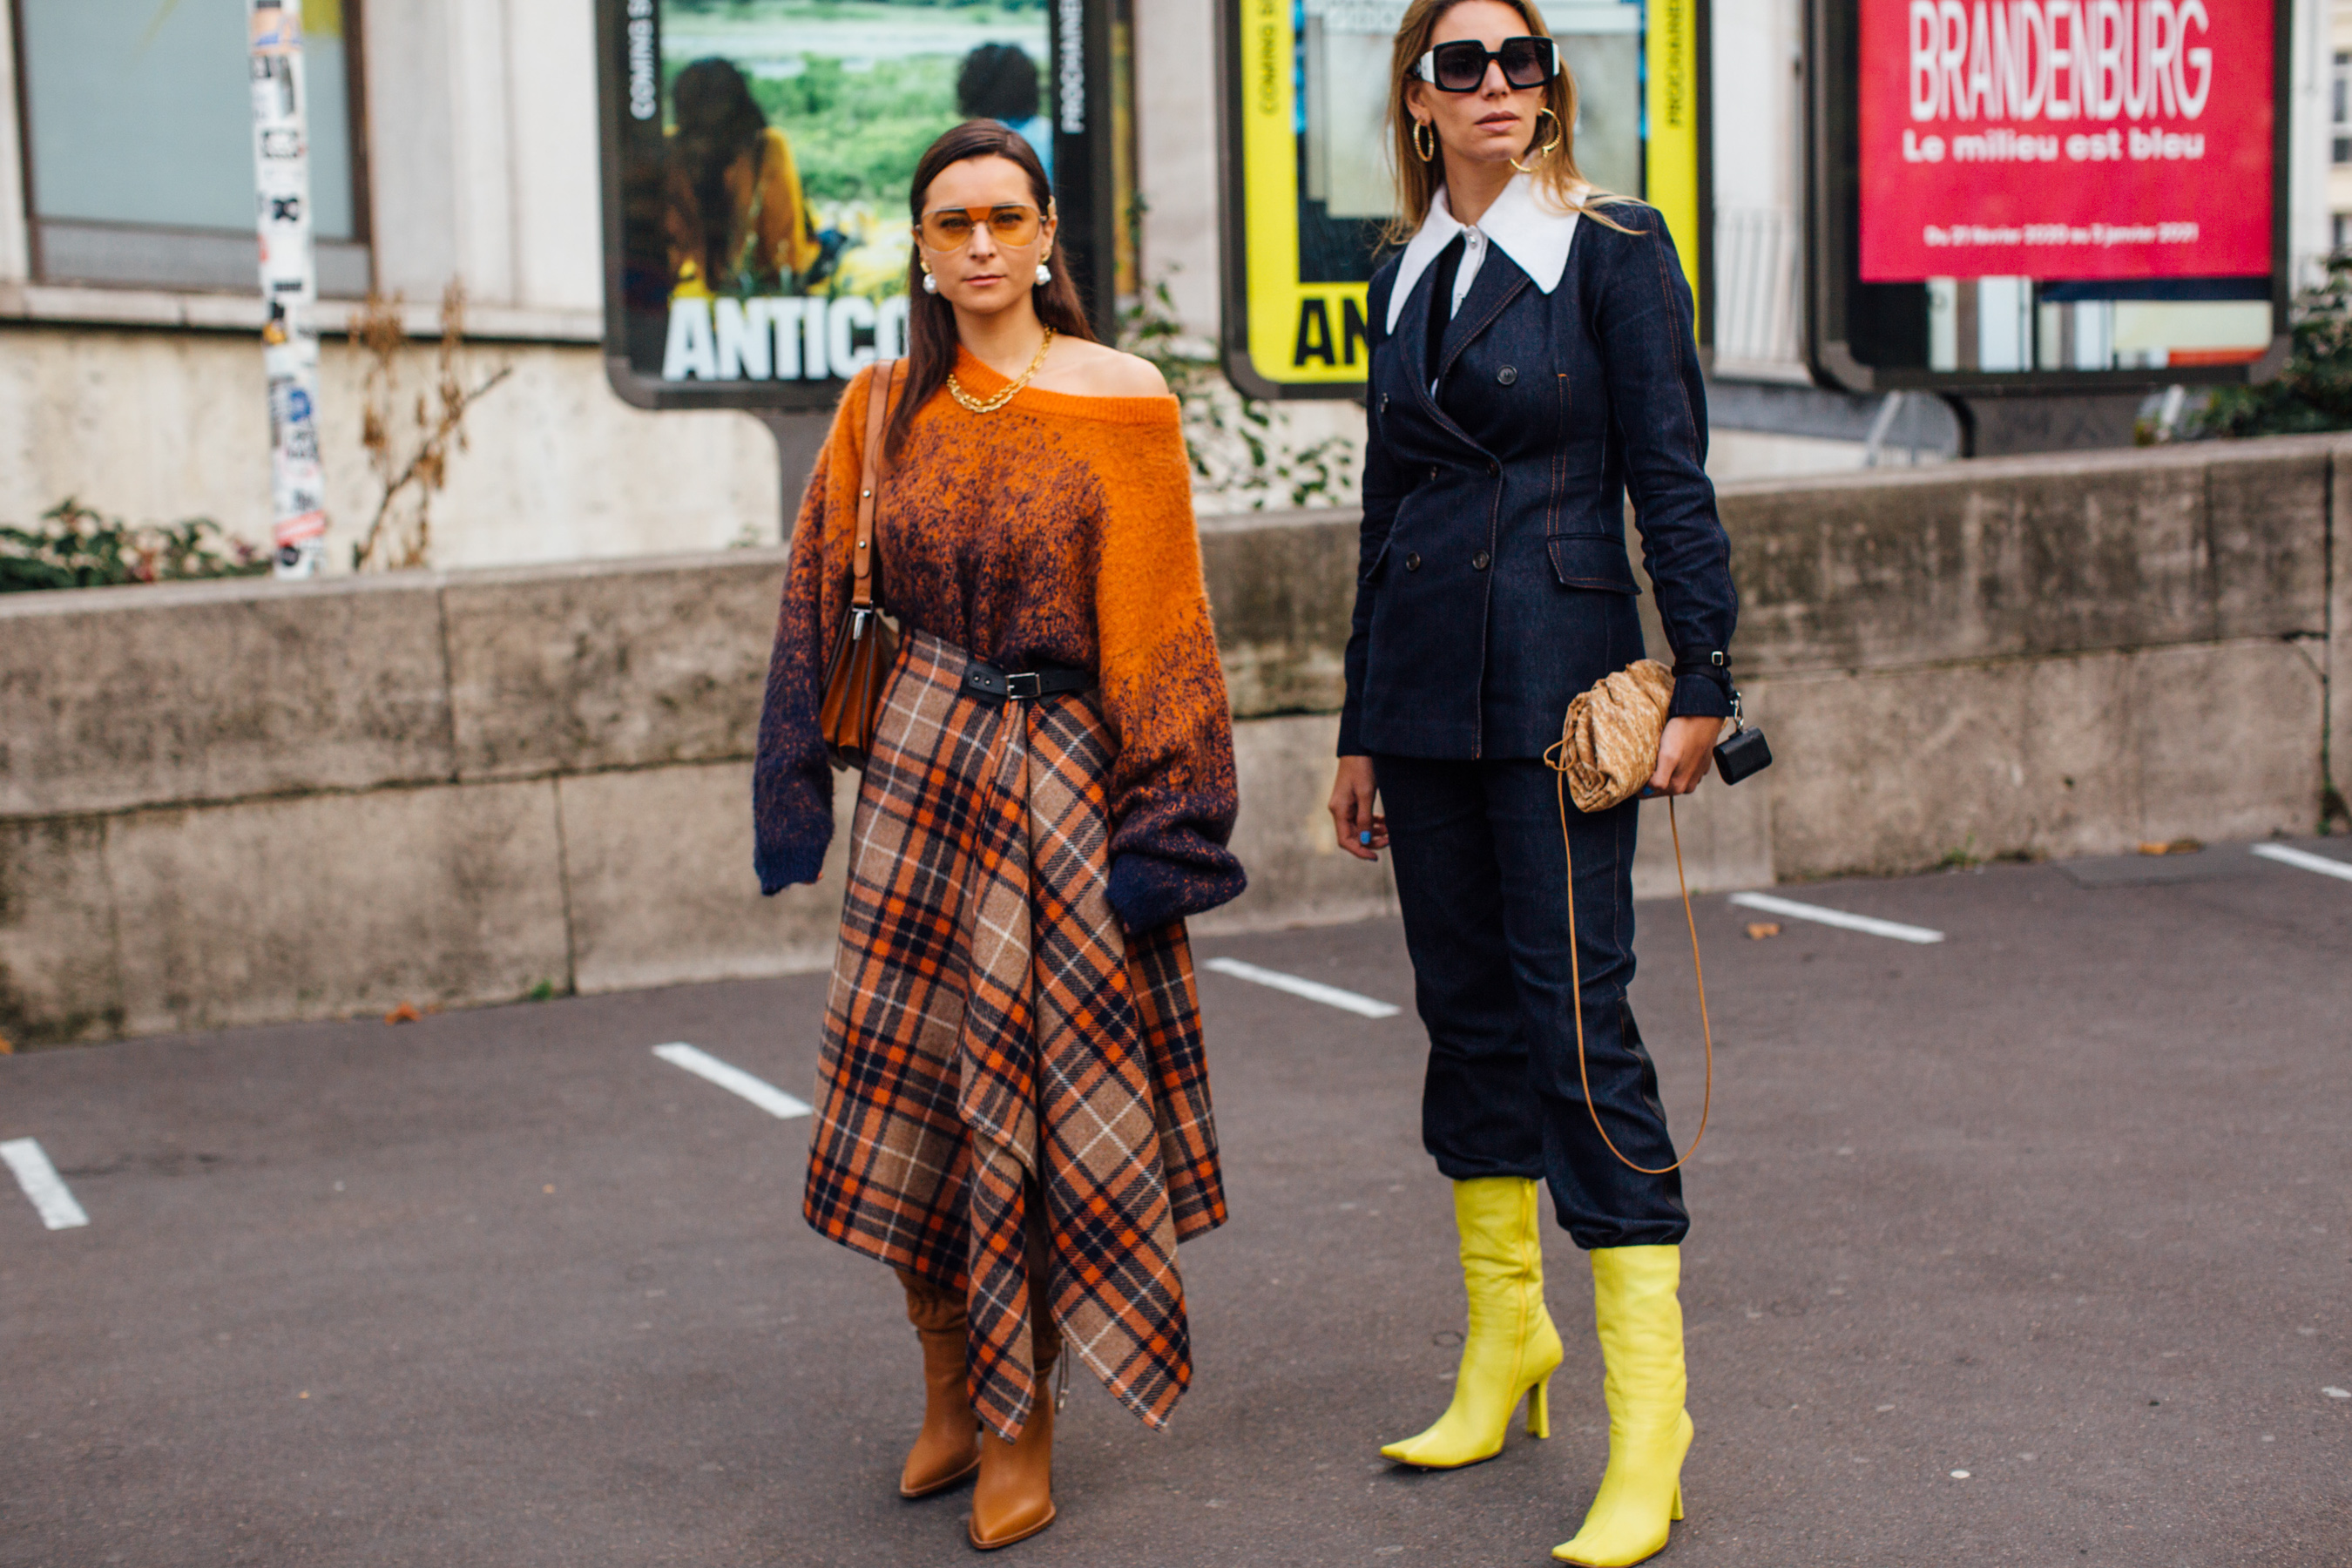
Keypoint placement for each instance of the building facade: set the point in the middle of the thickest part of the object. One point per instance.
(449, 142)
(460, 143)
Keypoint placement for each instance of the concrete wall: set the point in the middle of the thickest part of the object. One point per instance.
(235, 802)
(2041, 656)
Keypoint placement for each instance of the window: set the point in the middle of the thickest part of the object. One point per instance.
(2339, 106)
(139, 138)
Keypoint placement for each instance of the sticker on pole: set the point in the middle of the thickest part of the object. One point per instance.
(289, 288)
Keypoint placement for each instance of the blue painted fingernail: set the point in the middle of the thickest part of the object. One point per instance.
(1365, 839)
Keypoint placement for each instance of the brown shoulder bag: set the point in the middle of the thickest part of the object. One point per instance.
(866, 647)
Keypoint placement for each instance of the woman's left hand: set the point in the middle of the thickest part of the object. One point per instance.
(1684, 751)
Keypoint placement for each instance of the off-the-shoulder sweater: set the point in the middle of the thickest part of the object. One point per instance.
(1057, 530)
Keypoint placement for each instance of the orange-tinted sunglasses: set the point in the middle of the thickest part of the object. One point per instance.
(952, 228)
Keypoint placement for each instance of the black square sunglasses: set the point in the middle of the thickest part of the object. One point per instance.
(1461, 66)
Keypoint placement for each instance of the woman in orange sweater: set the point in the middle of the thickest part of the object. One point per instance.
(1014, 1106)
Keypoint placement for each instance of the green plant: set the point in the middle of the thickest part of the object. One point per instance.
(77, 547)
(1241, 446)
(2314, 393)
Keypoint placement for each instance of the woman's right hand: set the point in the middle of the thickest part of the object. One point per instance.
(1361, 833)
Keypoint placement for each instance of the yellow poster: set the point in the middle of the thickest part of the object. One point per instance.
(1302, 331)
(1671, 156)
(1310, 102)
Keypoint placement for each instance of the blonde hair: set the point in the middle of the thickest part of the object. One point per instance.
(1552, 166)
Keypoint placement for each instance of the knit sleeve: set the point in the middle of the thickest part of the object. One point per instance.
(1173, 791)
(792, 778)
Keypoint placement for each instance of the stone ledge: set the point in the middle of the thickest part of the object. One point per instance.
(114, 697)
(2084, 754)
(608, 664)
(204, 917)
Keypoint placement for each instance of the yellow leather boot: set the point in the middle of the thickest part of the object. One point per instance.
(1511, 1348)
(1641, 1325)
(946, 1450)
(1014, 1498)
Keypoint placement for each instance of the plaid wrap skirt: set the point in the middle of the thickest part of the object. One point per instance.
(992, 1039)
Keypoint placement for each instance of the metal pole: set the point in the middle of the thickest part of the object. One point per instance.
(800, 437)
(289, 288)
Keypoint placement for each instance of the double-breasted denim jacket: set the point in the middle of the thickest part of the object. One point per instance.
(1493, 584)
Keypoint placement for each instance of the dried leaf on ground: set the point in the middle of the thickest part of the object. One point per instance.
(2172, 846)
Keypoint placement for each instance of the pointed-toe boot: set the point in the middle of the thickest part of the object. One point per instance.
(947, 1449)
(1014, 1497)
(1641, 1324)
(1511, 1348)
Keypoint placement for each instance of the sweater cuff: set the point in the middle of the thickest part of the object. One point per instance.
(1700, 697)
(1147, 892)
(782, 866)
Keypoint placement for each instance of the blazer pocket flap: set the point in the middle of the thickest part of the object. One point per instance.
(1593, 561)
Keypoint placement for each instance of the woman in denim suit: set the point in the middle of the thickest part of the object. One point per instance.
(1533, 366)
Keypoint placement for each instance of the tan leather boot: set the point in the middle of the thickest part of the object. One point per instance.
(944, 1451)
(1013, 1499)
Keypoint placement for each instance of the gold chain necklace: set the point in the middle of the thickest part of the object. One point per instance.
(956, 391)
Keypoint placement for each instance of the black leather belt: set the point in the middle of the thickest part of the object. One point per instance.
(983, 680)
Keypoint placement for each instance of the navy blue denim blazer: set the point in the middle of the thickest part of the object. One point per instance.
(1493, 584)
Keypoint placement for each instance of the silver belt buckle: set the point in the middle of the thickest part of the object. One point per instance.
(1024, 686)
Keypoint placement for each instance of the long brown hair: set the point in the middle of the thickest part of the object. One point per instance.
(1554, 171)
(931, 319)
(719, 124)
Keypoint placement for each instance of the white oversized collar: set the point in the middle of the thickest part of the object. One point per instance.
(1521, 223)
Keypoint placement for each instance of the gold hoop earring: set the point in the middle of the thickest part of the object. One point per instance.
(1426, 150)
(1548, 148)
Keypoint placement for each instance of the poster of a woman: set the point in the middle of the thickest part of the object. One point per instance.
(793, 127)
(735, 216)
(762, 159)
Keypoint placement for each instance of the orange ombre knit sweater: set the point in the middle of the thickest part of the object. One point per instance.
(1057, 530)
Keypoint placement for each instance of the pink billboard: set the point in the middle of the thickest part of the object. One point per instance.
(2066, 139)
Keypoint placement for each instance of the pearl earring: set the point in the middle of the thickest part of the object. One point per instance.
(1045, 275)
(930, 284)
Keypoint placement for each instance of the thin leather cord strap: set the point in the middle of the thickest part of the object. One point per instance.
(861, 560)
(1576, 976)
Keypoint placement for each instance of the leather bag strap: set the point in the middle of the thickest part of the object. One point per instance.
(877, 407)
(1576, 978)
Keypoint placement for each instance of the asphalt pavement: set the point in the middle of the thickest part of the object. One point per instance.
(2027, 1245)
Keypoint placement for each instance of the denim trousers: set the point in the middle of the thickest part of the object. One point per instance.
(1481, 877)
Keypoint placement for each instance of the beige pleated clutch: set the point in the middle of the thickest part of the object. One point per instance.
(1609, 742)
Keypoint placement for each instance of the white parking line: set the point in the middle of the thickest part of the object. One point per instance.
(733, 1079)
(1313, 990)
(52, 1200)
(1838, 917)
(2304, 860)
